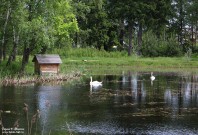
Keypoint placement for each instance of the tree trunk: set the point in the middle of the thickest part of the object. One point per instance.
(121, 35)
(2, 47)
(1, 54)
(196, 26)
(76, 39)
(181, 19)
(26, 54)
(107, 45)
(130, 39)
(12, 56)
(27, 50)
(192, 36)
(139, 39)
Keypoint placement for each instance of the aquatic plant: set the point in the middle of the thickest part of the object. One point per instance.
(16, 124)
(1, 121)
(25, 109)
(34, 119)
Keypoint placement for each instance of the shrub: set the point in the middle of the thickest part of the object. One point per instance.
(154, 46)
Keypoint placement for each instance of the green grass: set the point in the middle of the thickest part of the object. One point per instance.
(88, 52)
(93, 59)
(132, 62)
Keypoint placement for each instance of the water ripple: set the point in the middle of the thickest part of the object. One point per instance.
(109, 128)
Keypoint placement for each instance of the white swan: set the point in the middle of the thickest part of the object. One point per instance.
(152, 77)
(95, 83)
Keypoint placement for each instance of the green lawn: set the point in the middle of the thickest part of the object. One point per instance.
(75, 63)
(177, 62)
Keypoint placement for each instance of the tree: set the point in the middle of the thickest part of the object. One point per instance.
(179, 21)
(29, 26)
(5, 13)
(96, 24)
(81, 9)
(48, 23)
(125, 12)
(192, 18)
(137, 15)
(17, 20)
(65, 23)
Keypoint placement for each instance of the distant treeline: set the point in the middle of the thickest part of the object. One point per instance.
(143, 27)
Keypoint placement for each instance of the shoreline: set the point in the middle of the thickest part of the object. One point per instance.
(39, 79)
(90, 69)
(76, 66)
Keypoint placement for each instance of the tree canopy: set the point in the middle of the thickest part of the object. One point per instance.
(148, 28)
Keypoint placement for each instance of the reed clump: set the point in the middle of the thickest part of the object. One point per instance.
(27, 79)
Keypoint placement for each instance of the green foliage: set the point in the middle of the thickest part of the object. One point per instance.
(173, 49)
(33, 27)
(45, 26)
(188, 54)
(195, 50)
(10, 71)
(64, 20)
(87, 52)
(154, 47)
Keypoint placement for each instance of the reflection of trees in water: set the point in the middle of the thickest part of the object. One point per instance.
(137, 88)
(48, 97)
(131, 89)
(185, 96)
(178, 91)
(171, 92)
(190, 87)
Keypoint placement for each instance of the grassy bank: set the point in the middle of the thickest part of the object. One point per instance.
(133, 62)
(87, 60)
(94, 57)
(95, 65)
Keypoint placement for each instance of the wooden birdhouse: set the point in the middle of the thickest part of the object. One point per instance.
(46, 63)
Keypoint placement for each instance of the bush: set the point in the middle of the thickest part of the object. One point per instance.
(173, 48)
(195, 49)
(9, 70)
(154, 47)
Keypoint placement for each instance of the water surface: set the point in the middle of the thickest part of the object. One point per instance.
(127, 103)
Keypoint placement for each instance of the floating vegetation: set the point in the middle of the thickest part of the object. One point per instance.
(110, 92)
(105, 94)
(156, 112)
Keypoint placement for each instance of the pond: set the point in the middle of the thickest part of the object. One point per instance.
(126, 103)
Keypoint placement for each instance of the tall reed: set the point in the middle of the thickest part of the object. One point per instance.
(1, 122)
(34, 119)
(25, 109)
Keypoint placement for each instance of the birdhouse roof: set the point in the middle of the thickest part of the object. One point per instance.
(47, 59)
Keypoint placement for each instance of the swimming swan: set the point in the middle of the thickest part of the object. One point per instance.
(152, 77)
(95, 83)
